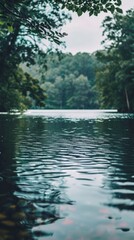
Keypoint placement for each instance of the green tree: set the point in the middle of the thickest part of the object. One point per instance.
(82, 95)
(52, 100)
(20, 37)
(17, 9)
(93, 6)
(24, 23)
(115, 77)
(19, 91)
(70, 80)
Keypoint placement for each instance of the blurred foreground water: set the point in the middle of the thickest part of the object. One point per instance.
(67, 175)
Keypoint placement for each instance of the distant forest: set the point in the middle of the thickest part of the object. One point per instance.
(31, 78)
(104, 79)
(68, 80)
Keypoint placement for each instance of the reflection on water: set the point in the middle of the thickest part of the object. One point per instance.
(66, 176)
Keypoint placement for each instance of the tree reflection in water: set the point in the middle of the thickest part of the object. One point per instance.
(121, 168)
(28, 192)
(65, 179)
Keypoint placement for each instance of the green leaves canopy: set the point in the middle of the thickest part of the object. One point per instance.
(115, 76)
(37, 18)
(69, 82)
(27, 11)
(24, 24)
(93, 7)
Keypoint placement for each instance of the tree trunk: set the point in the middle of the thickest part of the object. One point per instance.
(127, 99)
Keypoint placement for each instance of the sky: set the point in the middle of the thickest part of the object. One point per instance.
(85, 33)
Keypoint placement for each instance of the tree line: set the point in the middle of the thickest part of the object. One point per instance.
(100, 80)
(104, 79)
(68, 80)
(115, 73)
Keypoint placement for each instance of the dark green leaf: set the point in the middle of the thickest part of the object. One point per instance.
(119, 10)
(79, 12)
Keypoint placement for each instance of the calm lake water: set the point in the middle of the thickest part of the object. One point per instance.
(67, 175)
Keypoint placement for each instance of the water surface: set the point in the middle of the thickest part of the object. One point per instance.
(67, 175)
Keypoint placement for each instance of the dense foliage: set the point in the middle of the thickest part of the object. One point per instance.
(20, 39)
(25, 25)
(20, 91)
(23, 10)
(91, 6)
(37, 18)
(115, 75)
(69, 82)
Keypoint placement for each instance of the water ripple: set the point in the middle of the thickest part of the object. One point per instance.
(61, 176)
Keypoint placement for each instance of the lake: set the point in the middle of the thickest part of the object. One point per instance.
(67, 175)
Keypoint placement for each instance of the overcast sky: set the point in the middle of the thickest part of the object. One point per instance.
(85, 33)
